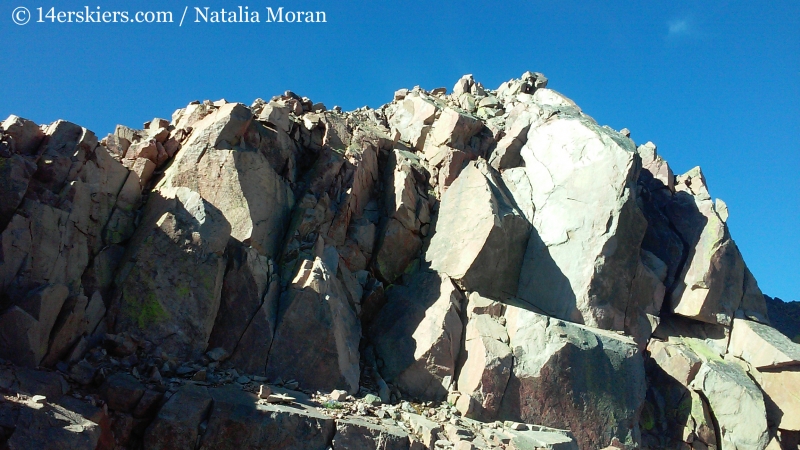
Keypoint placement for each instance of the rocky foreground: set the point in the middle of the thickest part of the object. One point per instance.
(484, 269)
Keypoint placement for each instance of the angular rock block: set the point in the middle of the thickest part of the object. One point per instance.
(407, 214)
(775, 362)
(222, 160)
(454, 129)
(711, 286)
(480, 235)
(584, 250)
(412, 120)
(177, 424)
(417, 335)
(25, 327)
(485, 371)
(737, 404)
(762, 346)
(236, 422)
(541, 438)
(573, 377)
(318, 333)
(249, 299)
(781, 398)
(170, 283)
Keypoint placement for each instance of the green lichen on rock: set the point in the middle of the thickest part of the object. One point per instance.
(647, 420)
(145, 312)
(183, 291)
(701, 349)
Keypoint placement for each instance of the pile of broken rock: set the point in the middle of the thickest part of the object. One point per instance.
(485, 269)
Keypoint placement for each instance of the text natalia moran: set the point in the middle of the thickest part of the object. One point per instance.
(243, 14)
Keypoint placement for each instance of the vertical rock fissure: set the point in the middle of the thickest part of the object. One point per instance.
(461, 358)
(717, 430)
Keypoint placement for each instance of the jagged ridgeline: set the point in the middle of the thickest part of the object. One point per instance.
(479, 269)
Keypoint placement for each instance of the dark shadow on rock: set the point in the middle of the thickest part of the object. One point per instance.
(245, 288)
(543, 287)
(683, 214)
(269, 200)
(168, 285)
(392, 335)
(667, 409)
(59, 422)
(784, 316)
(661, 238)
(237, 421)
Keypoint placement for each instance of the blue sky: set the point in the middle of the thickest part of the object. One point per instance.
(715, 84)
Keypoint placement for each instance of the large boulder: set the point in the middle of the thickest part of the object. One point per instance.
(480, 234)
(225, 160)
(775, 365)
(454, 129)
(540, 438)
(762, 346)
(412, 119)
(170, 283)
(248, 302)
(573, 377)
(507, 153)
(417, 335)
(711, 286)
(735, 402)
(318, 332)
(674, 415)
(780, 395)
(177, 424)
(360, 434)
(237, 421)
(25, 328)
(584, 250)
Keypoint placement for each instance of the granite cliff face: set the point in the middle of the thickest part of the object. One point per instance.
(479, 269)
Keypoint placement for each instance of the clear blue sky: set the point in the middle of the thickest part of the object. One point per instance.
(715, 84)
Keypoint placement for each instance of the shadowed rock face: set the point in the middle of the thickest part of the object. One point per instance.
(497, 249)
(174, 273)
(318, 327)
(417, 335)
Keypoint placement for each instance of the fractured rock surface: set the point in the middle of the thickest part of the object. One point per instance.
(480, 269)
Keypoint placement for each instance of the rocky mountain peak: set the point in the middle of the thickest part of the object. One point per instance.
(479, 269)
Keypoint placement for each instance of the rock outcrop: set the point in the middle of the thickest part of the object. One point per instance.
(584, 251)
(417, 335)
(485, 269)
(482, 250)
(318, 327)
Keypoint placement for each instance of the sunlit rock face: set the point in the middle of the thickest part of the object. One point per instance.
(479, 269)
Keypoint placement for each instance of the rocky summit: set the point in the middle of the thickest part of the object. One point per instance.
(472, 269)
